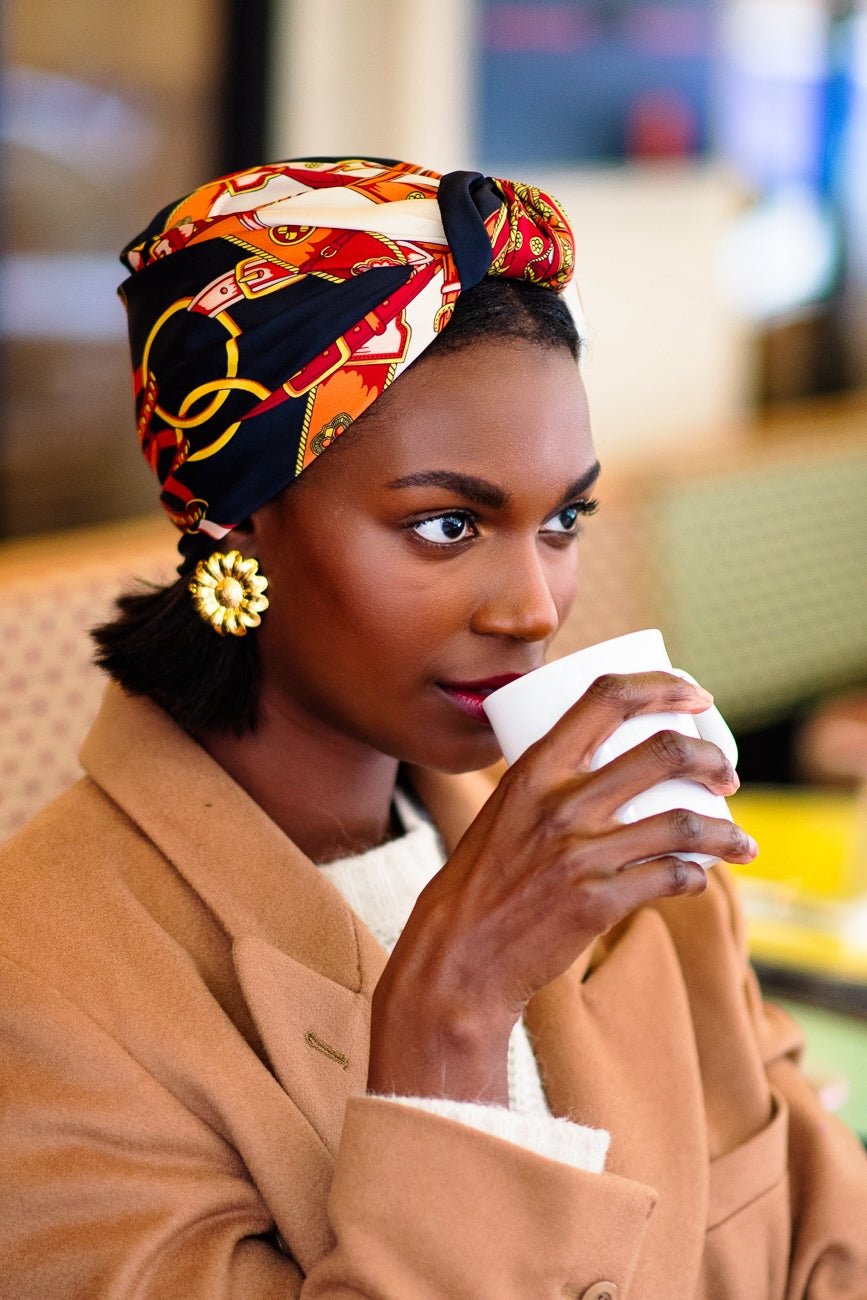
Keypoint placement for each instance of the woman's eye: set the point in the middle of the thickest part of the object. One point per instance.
(564, 522)
(567, 522)
(445, 530)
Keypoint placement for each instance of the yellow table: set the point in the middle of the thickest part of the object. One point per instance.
(805, 899)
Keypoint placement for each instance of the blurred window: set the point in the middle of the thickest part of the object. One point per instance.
(595, 80)
(108, 115)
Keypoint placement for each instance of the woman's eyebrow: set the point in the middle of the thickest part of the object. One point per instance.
(481, 490)
(475, 489)
(582, 484)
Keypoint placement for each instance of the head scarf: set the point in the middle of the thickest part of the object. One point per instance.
(268, 309)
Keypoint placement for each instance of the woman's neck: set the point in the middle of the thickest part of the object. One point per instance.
(330, 795)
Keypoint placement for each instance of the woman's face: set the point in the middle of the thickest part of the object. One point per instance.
(428, 556)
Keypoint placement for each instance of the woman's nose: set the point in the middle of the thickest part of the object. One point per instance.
(518, 602)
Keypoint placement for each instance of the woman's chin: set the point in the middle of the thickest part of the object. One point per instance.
(464, 755)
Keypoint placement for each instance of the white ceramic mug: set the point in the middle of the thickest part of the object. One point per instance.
(522, 712)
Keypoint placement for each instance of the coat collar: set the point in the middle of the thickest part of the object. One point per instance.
(307, 966)
(251, 875)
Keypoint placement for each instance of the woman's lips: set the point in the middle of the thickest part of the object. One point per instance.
(470, 696)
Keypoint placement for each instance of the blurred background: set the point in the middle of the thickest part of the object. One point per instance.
(713, 157)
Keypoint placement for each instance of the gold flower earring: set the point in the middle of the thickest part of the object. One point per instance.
(227, 592)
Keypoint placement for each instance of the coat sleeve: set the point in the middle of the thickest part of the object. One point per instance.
(112, 1189)
(827, 1164)
(427, 1207)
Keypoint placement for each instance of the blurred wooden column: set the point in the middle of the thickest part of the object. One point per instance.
(386, 78)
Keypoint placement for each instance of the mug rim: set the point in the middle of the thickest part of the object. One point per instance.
(556, 666)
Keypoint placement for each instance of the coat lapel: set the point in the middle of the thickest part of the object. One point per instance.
(306, 966)
(316, 1032)
(311, 1008)
(251, 876)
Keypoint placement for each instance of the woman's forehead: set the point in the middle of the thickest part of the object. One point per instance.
(496, 409)
(501, 427)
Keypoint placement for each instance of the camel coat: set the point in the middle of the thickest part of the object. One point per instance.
(185, 1008)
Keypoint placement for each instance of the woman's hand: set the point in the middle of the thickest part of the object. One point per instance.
(542, 872)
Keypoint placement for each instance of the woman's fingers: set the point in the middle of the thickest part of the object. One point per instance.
(596, 903)
(665, 756)
(667, 877)
(712, 725)
(609, 701)
(678, 831)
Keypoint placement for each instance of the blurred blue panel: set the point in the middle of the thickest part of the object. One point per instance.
(594, 81)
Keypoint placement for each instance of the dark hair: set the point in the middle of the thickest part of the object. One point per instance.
(508, 309)
(157, 645)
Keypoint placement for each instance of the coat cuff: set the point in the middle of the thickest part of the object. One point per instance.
(425, 1207)
(557, 1139)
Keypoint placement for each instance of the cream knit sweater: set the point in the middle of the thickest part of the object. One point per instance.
(381, 886)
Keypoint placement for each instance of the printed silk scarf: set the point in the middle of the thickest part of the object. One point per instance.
(268, 309)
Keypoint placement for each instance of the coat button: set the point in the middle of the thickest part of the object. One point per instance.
(599, 1291)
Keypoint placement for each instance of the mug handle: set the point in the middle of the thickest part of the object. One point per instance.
(712, 725)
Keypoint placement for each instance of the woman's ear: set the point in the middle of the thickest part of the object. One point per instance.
(257, 535)
(243, 537)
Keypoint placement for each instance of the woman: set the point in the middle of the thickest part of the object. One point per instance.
(356, 382)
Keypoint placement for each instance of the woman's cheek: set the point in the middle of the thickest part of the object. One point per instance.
(567, 600)
(565, 583)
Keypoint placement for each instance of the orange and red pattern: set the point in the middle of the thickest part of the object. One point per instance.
(270, 308)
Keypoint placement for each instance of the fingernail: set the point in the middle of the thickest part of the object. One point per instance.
(754, 848)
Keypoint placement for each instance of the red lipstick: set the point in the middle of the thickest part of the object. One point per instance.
(469, 696)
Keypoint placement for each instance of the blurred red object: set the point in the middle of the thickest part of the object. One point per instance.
(831, 746)
(659, 125)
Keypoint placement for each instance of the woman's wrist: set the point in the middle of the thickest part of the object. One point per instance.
(424, 1046)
